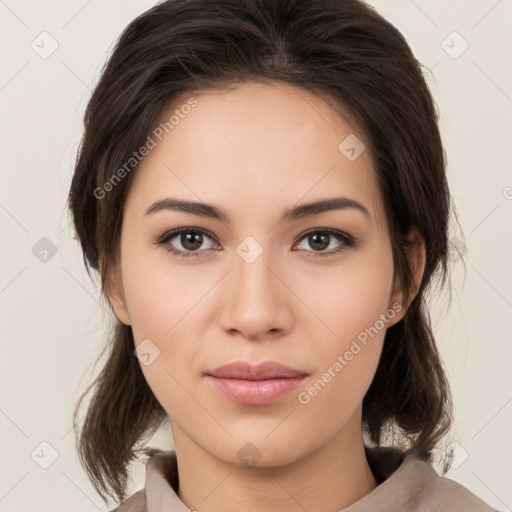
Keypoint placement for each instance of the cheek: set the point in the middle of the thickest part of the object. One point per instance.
(349, 296)
(351, 304)
(159, 294)
(158, 301)
(161, 318)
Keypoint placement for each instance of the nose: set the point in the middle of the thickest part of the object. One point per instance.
(256, 301)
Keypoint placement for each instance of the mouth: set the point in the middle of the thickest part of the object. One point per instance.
(261, 384)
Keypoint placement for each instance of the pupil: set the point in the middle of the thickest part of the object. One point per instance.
(319, 241)
(191, 241)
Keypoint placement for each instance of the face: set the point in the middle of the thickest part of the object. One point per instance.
(312, 292)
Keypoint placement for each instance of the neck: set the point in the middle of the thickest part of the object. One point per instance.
(328, 479)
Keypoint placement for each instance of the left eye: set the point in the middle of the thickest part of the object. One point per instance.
(320, 240)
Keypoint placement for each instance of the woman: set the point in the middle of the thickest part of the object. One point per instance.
(261, 186)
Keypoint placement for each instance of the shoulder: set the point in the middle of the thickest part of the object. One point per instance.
(443, 493)
(414, 485)
(161, 475)
(135, 503)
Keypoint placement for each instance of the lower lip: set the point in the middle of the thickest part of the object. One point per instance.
(255, 392)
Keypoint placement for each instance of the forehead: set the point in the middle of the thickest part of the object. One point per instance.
(254, 146)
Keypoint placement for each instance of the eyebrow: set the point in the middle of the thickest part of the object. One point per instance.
(296, 212)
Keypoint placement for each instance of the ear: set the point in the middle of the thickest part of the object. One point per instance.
(114, 291)
(416, 256)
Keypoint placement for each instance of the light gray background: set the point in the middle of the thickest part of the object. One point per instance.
(53, 325)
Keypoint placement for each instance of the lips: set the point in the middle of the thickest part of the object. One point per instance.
(260, 384)
(262, 371)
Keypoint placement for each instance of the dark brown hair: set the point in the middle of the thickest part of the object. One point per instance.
(341, 49)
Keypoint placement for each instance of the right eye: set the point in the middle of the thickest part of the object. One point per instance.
(190, 239)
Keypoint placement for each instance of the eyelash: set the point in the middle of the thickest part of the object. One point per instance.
(161, 241)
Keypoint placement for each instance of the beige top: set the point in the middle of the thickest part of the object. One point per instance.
(405, 484)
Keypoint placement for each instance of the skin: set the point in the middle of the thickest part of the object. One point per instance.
(255, 151)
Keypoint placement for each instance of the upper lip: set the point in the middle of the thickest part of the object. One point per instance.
(262, 371)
